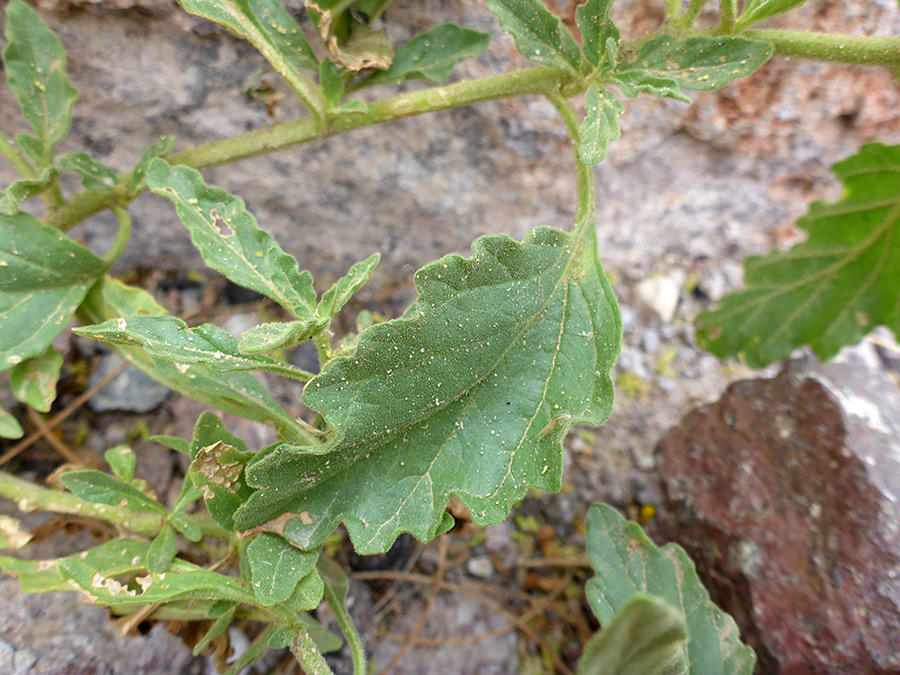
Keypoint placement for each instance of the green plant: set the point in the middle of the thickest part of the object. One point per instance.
(490, 366)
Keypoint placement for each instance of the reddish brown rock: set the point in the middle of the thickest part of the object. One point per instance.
(785, 492)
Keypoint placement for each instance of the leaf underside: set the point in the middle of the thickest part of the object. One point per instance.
(469, 393)
(627, 564)
(830, 290)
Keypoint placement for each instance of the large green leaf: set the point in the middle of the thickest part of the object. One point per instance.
(23, 190)
(44, 276)
(540, 35)
(34, 381)
(235, 393)
(665, 64)
(470, 393)
(601, 124)
(432, 55)
(759, 10)
(627, 563)
(35, 62)
(597, 29)
(833, 288)
(277, 567)
(169, 338)
(646, 636)
(231, 242)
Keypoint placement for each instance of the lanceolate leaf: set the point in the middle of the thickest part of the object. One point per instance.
(833, 288)
(169, 338)
(44, 276)
(665, 64)
(94, 175)
(162, 550)
(35, 63)
(122, 461)
(231, 242)
(23, 190)
(433, 55)
(338, 295)
(159, 149)
(627, 564)
(101, 488)
(646, 636)
(469, 393)
(276, 567)
(235, 393)
(596, 28)
(758, 10)
(9, 426)
(601, 125)
(539, 34)
(34, 381)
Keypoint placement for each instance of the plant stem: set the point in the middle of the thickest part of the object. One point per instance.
(693, 11)
(9, 150)
(673, 10)
(861, 50)
(122, 238)
(526, 81)
(307, 654)
(728, 11)
(348, 628)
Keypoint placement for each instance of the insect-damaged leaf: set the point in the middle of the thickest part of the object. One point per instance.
(353, 42)
(833, 288)
(601, 124)
(34, 381)
(666, 64)
(23, 190)
(276, 567)
(596, 29)
(231, 242)
(469, 393)
(627, 563)
(44, 276)
(35, 63)
(540, 35)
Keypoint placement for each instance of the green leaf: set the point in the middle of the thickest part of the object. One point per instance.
(645, 637)
(759, 10)
(830, 290)
(9, 426)
(164, 146)
(169, 338)
(596, 28)
(121, 460)
(281, 638)
(231, 242)
(500, 354)
(664, 64)
(217, 469)
(276, 567)
(352, 106)
(539, 34)
(331, 82)
(345, 287)
(601, 124)
(101, 488)
(219, 626)
(45, 276)
(236, 393)
(354, 44)
(23, 190)
(172, 442)
(186, 526)
(280, 335)
(432, 55)
(308, 593)
(627, 564)
(94, 175)
(35, 63)
(34, 381)
(162, 550)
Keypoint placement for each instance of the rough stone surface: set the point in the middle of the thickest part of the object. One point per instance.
(129, 391)
(786, 492)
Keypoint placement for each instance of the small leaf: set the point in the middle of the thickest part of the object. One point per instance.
(9, 426)
(23, 190)
(331, 83)
(539, 34)
(172, 442)
(218, 467)
(94, 175)
(830, 290)
(236, 393)
(12, 534)
(338, 295)
(45, 276)
(281, 638)
(276, 567)
(352, 106)
(596, 29)
(645, 637)
(308, 593)
(186, 526)
(663, 64)
(432, 55)
(759, 10)
(159, 149)
(162, 550)
(489, 368)
(352, 43)
(601, 125)
(101, 488)
(169, 338)
(122, 461)
(34, 381)
(280, 335)
(219, 626)
(254, 652)
(231, 242)
(627, 564)
(35, 63)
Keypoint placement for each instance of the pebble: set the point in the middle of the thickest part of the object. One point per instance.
(659, 296)
(480, 567)
(649, 340)
(129, 391)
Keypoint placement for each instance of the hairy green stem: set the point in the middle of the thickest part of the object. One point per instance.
(728, 10)
(526, 81)
(307, 653)
(673, 10)
(693, 11)
(861, 50)
(122, 238)
(357, 652)
(16, 158)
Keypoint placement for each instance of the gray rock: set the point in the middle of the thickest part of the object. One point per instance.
(129, 391)
(480, 566)
(649, 340)
(658, 296)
